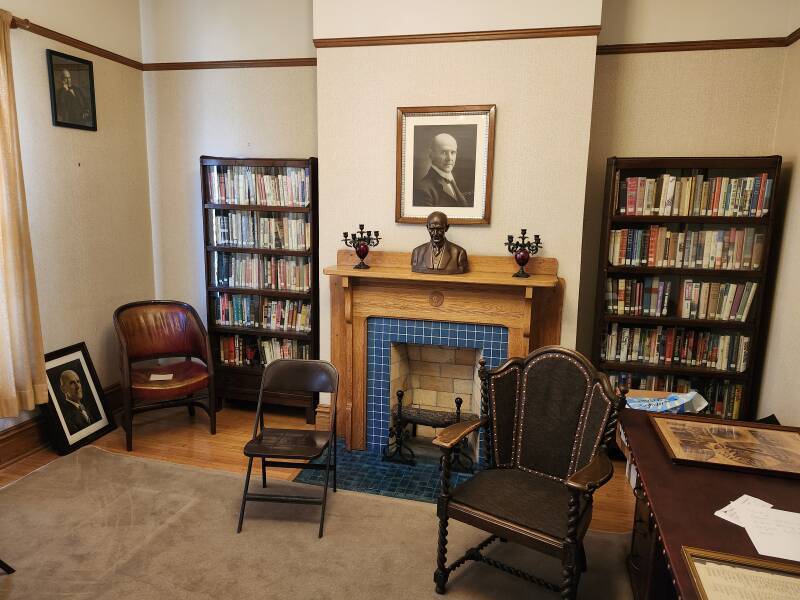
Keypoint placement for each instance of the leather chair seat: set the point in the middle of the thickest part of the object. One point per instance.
(525, 499)
(187, 377)
(288, 443)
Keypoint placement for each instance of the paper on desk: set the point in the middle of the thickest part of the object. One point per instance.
(731, 511)
(160, 377)
(773, 532)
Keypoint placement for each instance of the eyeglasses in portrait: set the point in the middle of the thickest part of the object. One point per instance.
(77, 413)
(71, 91)
(444, 161)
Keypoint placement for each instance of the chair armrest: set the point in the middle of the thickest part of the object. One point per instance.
(450, 436)
(593, 475)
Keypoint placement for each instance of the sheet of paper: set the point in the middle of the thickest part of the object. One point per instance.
(731, 511)
(773, 532)
(161, 377)
(733, 582)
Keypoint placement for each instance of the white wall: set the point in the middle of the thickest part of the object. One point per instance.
(259, 112)
(541, 142)
(639, 21)
(779, 392)
(109, 24)
(356, 18)
(199, 30)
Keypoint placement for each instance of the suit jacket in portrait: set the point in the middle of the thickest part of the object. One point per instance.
(73, 418)
(432, 190)
(454, 259)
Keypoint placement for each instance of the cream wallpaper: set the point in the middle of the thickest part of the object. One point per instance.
(264, 112)
(779, 393)
(673, 104)
(542, 89)
(87, 202)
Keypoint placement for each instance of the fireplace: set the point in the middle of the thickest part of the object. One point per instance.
(485, 310)
(431, 381)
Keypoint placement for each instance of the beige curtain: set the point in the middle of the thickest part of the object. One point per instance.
(22, 375)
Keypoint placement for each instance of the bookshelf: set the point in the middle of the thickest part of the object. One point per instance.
(261, 237)
(687, 264)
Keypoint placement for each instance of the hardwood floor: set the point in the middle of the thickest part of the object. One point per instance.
(172, 435)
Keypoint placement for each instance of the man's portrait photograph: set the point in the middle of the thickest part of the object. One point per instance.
(444, 162)
(76, 413)
(71, 91)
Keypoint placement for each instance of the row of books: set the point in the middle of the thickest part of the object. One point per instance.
(647, 298)
(717, 301)
(694, 195)
(241, 310)
(265, 186)
(724, 397)
(259, 272)
(675, 346)
(249, 351)
(718, 249)
(233, 228)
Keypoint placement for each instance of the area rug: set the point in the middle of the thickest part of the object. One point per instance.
(106, 526)
(361, 471)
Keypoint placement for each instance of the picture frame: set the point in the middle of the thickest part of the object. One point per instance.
(72, 101)
(77, 413)
(445, 159)
(714, 574)
(725, 444)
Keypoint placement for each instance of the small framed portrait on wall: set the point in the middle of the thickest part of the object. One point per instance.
(445, 156)
(71, 91)
(77, 413)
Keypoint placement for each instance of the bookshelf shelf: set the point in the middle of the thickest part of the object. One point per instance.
(689, 190)
(272, 185)
(259, 208)
(677, 322)
(267, 251)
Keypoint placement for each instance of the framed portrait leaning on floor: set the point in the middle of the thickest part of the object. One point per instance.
(77, 412)
(445, 156)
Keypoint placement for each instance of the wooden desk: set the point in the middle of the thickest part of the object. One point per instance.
(675, 507)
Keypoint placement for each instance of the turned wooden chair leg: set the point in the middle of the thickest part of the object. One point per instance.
(212, 408)
(127, 421)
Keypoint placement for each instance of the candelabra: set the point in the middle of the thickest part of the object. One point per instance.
(523, 249)
(361, 242)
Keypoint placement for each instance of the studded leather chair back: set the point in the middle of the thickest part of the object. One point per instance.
(160, 328)
(549, 412)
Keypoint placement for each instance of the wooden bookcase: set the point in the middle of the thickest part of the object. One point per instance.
(248, 204)
(732, 392)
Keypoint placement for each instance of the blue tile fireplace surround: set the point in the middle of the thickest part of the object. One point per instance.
(382, 332)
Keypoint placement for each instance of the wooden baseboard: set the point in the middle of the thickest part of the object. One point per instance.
(27, 437)
(323, 422)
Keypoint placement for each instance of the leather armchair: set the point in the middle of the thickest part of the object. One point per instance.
(547, 420)
(155, 329)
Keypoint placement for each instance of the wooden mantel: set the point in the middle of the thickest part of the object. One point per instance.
(488, 294)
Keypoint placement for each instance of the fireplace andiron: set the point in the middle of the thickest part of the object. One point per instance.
(361, 242)
(396, 450)
(523, 250)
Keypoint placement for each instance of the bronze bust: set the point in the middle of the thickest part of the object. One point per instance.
(439, 256)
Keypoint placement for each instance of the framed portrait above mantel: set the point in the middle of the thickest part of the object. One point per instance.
(445, 156)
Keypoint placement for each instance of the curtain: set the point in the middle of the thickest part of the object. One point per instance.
(22, 375)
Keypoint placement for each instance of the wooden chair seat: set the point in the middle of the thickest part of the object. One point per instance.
(187, 377)
(537, 503)
(288, 443)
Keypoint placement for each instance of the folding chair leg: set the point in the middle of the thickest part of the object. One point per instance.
(325, 494)
(334, 465)
(263, 472)
(244, 494)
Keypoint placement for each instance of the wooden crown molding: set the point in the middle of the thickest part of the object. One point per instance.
(461, 36)
(230, 64)
(729, 44)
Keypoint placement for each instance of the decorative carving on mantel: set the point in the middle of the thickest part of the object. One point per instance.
(529, 308)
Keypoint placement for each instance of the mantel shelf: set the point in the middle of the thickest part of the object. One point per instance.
(470, 278)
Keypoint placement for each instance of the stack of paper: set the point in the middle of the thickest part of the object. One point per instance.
(773, 532)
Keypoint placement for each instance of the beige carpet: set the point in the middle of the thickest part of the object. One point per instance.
(100, 525)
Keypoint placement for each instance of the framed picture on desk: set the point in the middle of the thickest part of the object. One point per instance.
(721, 576)
(754, 447)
